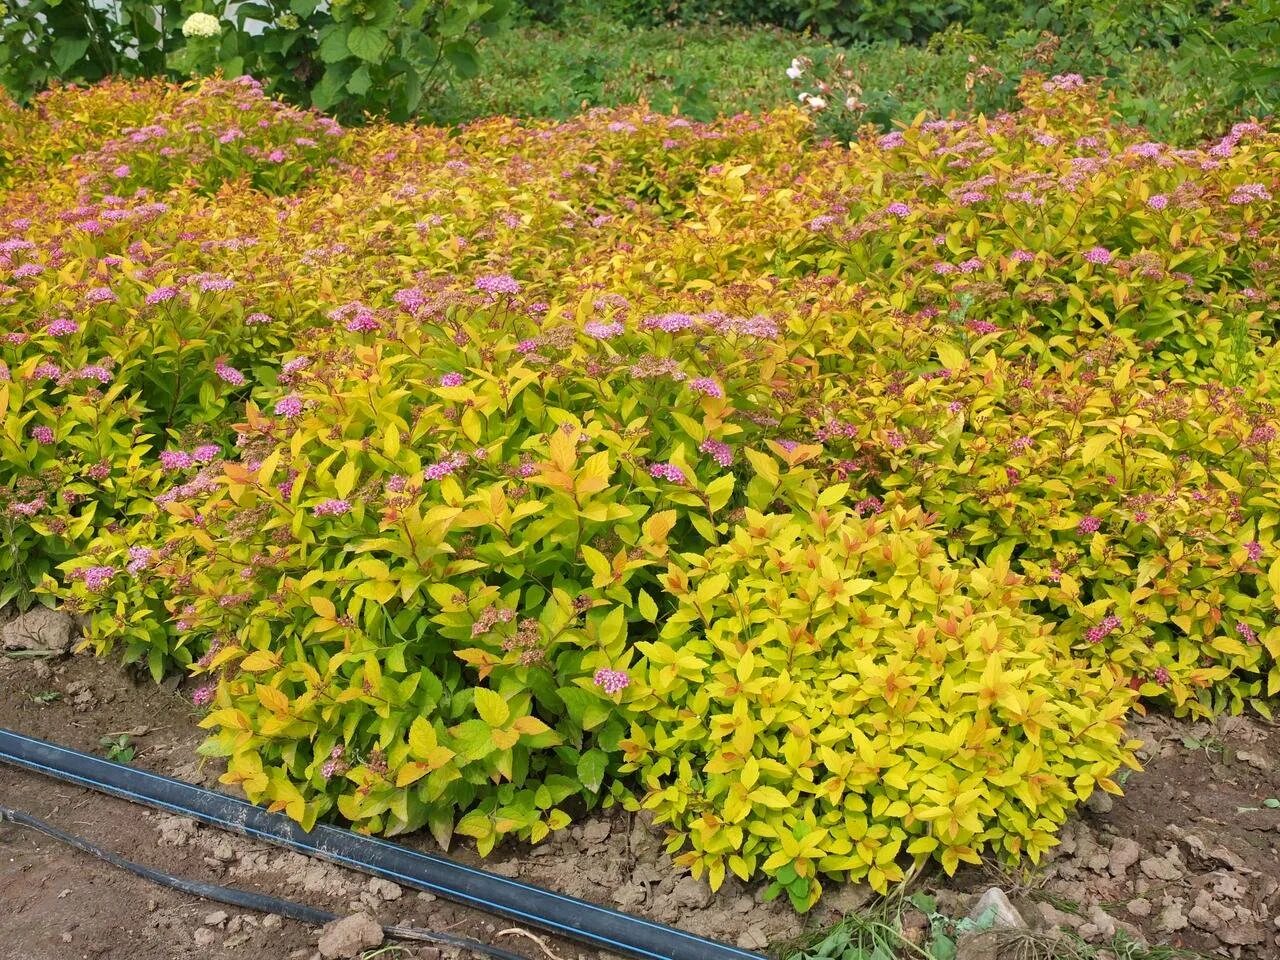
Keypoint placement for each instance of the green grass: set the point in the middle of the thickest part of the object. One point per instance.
(705, 71)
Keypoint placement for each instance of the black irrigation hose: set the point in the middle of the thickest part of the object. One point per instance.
(588, 923)
(261, 902)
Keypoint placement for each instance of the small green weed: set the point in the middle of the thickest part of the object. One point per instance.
(119, 747)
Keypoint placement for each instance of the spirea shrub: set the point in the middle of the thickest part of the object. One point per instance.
(418, 452)
(832, 695)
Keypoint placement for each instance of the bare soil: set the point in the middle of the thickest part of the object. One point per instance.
(1187, 858)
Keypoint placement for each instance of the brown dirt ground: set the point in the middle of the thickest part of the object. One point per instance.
(1186, 858)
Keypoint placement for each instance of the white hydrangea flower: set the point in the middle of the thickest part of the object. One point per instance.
(201, 25)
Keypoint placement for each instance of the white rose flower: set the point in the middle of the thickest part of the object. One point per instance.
(201, 25)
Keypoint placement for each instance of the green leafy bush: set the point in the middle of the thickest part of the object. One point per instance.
(349, 57)
(833, 695)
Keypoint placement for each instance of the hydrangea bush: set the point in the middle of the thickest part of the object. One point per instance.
(481, 477)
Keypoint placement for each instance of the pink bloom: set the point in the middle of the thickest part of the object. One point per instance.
(603, 331)
(707, 387)
(27, 509)
(669, 472)
(257, 319)
(363, 322)
(612, 681)
(95, 578)
(176, 460)
(452, 379)
(100, 295)
(719, 451)
(1099, 255)
(332, 508)
(42, 435)
(1254, 550)
(161, 295)
(205, 452)
(94, 371)
(202, 696)
(62, 327)
(1089, 525)
(498, 284)
(293, 366)
(668, 322)
(1157, 201)
(1103, 630)
(289, 407)
(139, 559)
(443, 468)
(898, 209)
(868, 505)
(212, 282)
(228, 374)
(121, 171)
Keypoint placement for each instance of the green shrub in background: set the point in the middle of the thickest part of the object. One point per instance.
(348, 57)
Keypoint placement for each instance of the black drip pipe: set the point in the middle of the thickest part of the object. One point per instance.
(585, 922)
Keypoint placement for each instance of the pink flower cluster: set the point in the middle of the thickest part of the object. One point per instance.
(27, 508)
(611, 681)
(718, 450)
(289, 406)
(1089, 525)
(96, 578)
(182, 460)
(355, 318)
(603, 331)
(335, 765)
(669, 472)
(332, 508)
(443, 468)
(229, 374)
(497, 284)
(707, 387)
(139, 559)
(1101, 631)
(1249, 193)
